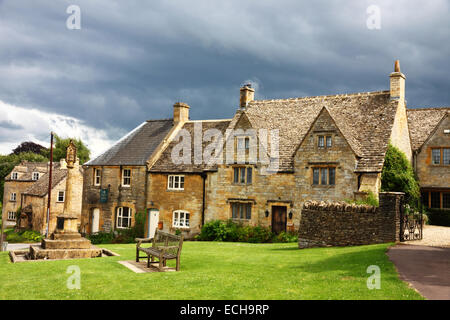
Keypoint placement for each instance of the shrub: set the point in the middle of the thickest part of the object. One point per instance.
(398, 175)
(27, 236)
(286, 237)
(228, 231)
(101, 237)
(370, 199)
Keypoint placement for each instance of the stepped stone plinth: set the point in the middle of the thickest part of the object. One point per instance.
(65, 243)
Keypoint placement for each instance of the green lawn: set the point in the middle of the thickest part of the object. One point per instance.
(214, 271)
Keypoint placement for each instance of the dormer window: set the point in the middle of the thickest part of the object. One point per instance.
(36, 176)
(243, 143)
(126, 177)
(325, 141)
(97, 177)
(14, 176)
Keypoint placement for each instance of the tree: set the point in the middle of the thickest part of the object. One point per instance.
(29, 146)
(7, 164)
(59, 149)
(398, 175)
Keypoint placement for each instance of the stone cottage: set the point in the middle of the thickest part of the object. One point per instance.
(283, 153)
(22, 177)
(430, 139)
(116, 182)
(35, 198)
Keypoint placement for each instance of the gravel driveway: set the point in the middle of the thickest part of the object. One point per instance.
(433, 236)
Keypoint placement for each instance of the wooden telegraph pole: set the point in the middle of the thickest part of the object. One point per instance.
(49, 184)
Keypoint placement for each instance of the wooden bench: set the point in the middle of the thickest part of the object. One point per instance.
(165, 246)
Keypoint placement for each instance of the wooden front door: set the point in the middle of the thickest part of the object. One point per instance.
(279, 219)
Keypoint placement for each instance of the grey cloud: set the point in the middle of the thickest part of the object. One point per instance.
(133, 59)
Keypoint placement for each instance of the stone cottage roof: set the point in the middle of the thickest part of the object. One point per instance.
(40, 188)
(26, 169)
(165, 163)
(365, 120)
(422, 122)
(137, 146)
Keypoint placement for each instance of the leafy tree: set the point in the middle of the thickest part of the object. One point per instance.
(398, 175)
(29, 146)
(60, 147)
(7, 164)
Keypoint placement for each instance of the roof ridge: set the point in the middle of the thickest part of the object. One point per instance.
(211, 120)
(370, 93)
(155, 120)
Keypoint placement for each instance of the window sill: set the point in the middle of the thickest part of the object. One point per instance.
(323, 186)
(177, 190)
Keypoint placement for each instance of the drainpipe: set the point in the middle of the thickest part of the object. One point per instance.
(204, 198)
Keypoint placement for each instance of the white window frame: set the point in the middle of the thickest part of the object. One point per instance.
(175, 182)
(11, 216)
(98, 175)
(13, 196)
(181, 219)
(124, 177)
(14, 176)
(63, 196)
(120, 215)
(35, 174)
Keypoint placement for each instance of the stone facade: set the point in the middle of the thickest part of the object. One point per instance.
(341, 224)
(18, 186)
(35, 199)
(133, 197)
(167, 201)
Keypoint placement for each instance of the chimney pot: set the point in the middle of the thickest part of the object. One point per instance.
(180, 112)
(247, 94)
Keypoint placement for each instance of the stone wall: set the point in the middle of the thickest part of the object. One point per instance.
(342, 224)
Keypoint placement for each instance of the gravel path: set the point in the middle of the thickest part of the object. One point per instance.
(433, 236)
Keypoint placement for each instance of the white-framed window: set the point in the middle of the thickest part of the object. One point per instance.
(181, 219)
(35, 176)
(123, 218)
(61, 196)
(97, 177)
(12, 216)
(14, 176)
(126, 177)
(13, 196)
(175, 182)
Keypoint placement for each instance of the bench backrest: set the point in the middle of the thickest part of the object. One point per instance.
(164, 239)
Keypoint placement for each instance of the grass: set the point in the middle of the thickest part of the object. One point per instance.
(214, 271)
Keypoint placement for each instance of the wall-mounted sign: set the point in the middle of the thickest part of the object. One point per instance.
(104, 193)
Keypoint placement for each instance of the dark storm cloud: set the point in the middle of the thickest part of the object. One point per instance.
(133, 59)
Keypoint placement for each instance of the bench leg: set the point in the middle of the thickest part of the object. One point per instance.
(178, 264)
(161, 261)
(137, 255)
(148, 261)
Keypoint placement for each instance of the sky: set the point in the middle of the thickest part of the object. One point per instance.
(130, 61)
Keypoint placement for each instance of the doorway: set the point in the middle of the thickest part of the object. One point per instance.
(95, 220)
(153, 219)
(279, 219)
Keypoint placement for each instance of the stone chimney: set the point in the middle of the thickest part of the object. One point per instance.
(180, 112)
(397, 83)
(247, 95)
